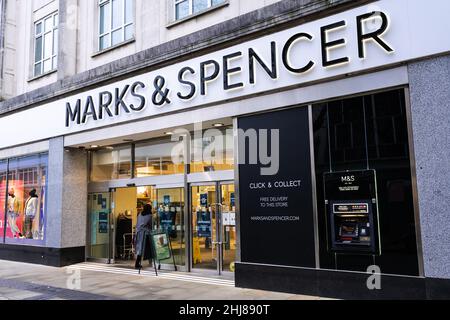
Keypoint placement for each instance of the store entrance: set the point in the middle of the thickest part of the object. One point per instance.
(113, 218)
(213, 226)
(210, 223)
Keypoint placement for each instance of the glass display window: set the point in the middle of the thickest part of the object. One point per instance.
(25, 193)
(3, 192)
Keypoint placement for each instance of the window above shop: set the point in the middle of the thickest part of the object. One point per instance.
(213, 151)
(116, 23)
(188, 8)
(111, 164)
(45, 45)
(155, 159)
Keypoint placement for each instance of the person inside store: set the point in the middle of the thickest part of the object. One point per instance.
(143, 229)
(31, 207)
(13, 213)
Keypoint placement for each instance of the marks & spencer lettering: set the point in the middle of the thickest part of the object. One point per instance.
(235, 70)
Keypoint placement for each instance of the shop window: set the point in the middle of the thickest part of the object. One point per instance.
(111, 164)
(116, 22)
(213, 151)
(45, 45)
(25, 189)
(185, 8)
(3, 193)
(155, 159)
(98, 245)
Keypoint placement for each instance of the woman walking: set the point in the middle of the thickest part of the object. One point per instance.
(143, 228)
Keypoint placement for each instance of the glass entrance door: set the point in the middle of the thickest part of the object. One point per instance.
(228, 226)
(204, 230)
(213, 226)
(99, 243)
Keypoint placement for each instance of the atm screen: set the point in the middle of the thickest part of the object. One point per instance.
(349, 230)
(360, 208)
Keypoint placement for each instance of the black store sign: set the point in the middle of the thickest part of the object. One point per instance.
(276, 211)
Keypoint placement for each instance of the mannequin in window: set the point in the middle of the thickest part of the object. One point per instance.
(13, 213)
(31, 207)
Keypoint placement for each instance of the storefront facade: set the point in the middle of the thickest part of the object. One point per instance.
(297, 157)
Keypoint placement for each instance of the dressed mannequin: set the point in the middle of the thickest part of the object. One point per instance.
(13, 213)
(31, 207)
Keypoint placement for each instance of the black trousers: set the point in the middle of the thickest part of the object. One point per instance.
(138, 261)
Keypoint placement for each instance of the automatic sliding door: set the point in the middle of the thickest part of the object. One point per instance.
(204, 235)
(228, 226)
(169, 207)
(99, 244)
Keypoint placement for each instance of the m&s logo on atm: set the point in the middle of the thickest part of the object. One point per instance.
(348, 179)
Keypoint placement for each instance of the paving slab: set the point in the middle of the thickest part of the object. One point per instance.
(20, 281)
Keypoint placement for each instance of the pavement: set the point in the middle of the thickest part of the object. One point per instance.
(89, 281)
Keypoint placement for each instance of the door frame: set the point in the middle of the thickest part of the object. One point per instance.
(108, 259)
(217, 179)
(113, 224)
(218, 225)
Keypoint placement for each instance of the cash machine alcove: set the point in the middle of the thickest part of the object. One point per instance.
(352, 211)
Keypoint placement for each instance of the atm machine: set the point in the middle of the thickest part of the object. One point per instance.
(352, 212)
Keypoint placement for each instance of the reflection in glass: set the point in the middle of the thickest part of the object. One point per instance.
(156, 160)
(111, 164)
(38, 49)
(48, 24)
(228, 226)
(170, 218)
(182, 9)
(362, 133)
(213, 152)
(129, 32)
(117, 12)
(105, 19)
(3, 191)
(117, 37)
(116, 22)
(199, 5)
(26, 195)
(203, 211)
(45, 44)
(104, 42)
(128, 11)
(99, 221)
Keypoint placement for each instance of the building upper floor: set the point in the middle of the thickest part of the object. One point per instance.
(43, 41)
